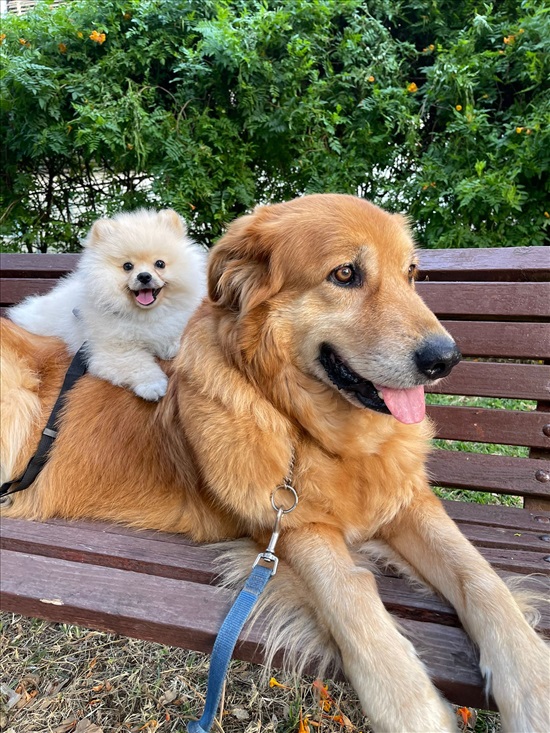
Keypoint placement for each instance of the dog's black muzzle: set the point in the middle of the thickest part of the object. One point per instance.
(436, 356)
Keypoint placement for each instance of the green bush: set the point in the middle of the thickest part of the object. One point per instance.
(439, 109)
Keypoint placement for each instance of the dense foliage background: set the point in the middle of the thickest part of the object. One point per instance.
(438, 108)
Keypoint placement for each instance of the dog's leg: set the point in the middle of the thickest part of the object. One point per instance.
(513, 658)
(128, 366)
(393, 685)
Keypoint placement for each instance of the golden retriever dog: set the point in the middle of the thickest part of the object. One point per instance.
(312, 349)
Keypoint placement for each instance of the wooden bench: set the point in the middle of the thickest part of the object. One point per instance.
(162, 587)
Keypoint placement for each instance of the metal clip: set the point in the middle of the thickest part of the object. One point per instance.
(268, 558)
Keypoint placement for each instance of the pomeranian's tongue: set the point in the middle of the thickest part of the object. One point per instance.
(145, 297)
(406, 405)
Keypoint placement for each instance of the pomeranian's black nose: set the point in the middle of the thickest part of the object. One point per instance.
(144, 278)
(436, 356)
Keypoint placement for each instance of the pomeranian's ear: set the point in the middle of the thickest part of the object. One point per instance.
(241, 273)
(172, 219)
(101, 230)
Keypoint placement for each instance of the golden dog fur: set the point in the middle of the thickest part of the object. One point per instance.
(246, 392)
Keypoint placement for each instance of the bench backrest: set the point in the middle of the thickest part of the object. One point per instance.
(496, 304)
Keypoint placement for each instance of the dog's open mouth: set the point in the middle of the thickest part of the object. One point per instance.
(146, 296)
(406, 405)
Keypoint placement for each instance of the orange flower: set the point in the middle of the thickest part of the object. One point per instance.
(22, 41)
(62, 48)
(547, 215)
(412, 88)
(97, 37)
(2, 37)
(371, 78)
(458, 107)
(519, 130)
(431, 47)
(508, 39)
(273, 683)
(465, 714)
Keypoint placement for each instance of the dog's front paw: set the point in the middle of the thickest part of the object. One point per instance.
(152, 391)
(526, 708)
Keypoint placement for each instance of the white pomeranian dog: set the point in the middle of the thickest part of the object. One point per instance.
(136, 284)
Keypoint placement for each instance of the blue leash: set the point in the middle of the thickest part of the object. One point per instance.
(225, 643)
(264, 568)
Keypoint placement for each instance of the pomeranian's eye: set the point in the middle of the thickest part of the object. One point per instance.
(345, 275)
(160, 265)
(127, 266)
(412, 272)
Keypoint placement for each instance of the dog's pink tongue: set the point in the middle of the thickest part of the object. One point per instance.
(406, 405)
(145, 297)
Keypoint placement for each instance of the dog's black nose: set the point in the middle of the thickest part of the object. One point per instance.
(144, 278)
(436, 356)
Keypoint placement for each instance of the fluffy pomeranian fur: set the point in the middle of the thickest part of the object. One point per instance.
(136, 284)
(313, 349)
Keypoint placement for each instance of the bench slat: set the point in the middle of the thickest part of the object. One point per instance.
(494, 515)
(499, 263)
(502, 474)
(37, 265)
(14, 290)
(486, 300)
(511, 427)
(191, 614)
(505, 340)
(488, 379)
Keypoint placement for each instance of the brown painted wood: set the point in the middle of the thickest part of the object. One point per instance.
(511, 427)
(159, 554)
(501, 263)
(14, 290)
(189, 615)
(490, 379)
(130, 551)
(37, 265)
(487, 300)
(494, 515)
(504, 340)
(500, 474)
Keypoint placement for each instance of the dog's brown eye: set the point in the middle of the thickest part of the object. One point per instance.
(127, 266)
(412, 272)
(160, 265)
(344, 275)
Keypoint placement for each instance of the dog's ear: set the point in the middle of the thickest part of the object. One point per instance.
(173, 220)
(102, 230)
(241, 270)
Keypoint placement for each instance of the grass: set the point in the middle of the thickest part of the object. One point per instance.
(61, 678)
(65, 674)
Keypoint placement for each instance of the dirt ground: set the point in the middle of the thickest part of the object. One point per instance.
(61, 678)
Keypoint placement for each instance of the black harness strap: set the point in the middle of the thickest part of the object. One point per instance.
(76, 370)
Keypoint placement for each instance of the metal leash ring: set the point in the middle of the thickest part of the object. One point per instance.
(292, 490)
